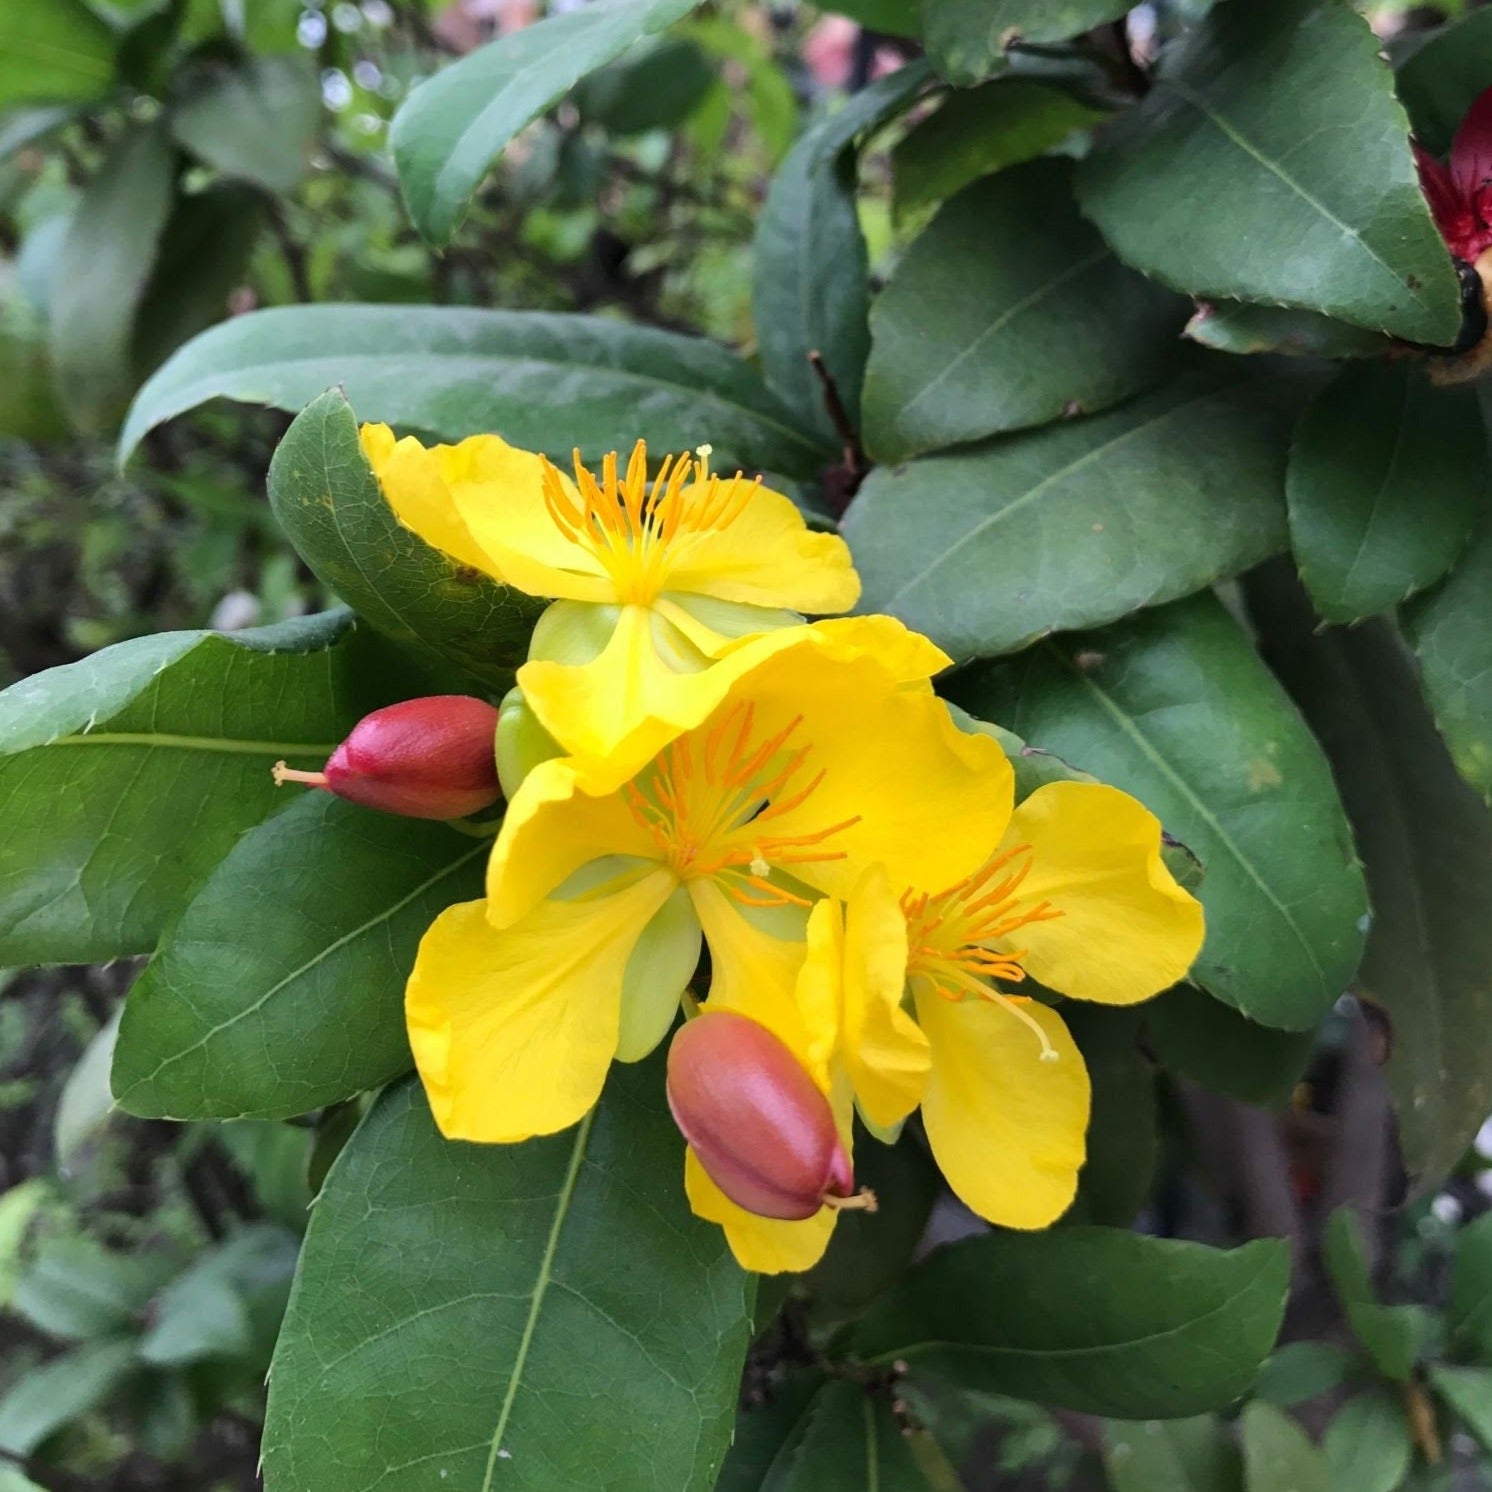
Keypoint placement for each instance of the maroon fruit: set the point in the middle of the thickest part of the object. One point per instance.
(429, 758)
(760, 1126)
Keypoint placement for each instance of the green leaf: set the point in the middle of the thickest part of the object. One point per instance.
(1440, 80)
(1278, 1455)
(453, 127)
(657, 86)
(53, 53)
(996, 23)
(1093, 1319)
(1368, 1445)
(1394, 1337)
(101, 275)
(1450, 629)
(1200, 1038)
(1088, 520)
(769, 1426)
(846, 1442)
(601, 1327)
(892, 17)
(25, 126)
(77, 1290)
(980, 131)
(86, 1100)
(1179, 1455)
(1301, 1371)
(1122, 1142)
(202, 257)
(549, 382)
(809, 261)
(1426, 841)
(255, 121)
(1008, 311)
(1468, 1391)
(1387, 475)
(281, 988)
(1271, 163)
(1468, 1317)
(1238, 327)
(1176, 708)
(124, 778)
(62, 1390)
(329, 504)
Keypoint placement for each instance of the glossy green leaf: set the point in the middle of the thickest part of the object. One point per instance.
(281, 988)
(547, 382)
(61, 1390)
(1368, 1445)
(1426, 841)
(1094, 1319)
(86, 1100)
(1440, 80)
(1278, 1455)
(1450, 629)
(893, 17)
(454, 126)
(101, 275)
(1008, 311)
(1084, 521)
(809, 261)
(769, 1426)
(1176, 708)
(1393, 1336)
(1387, 475)
(1469, 1392)
(1176, 1455)
(126, 777)
(978, 131)
(255, 121)
(450, 1294)
(55, 52)
(846, 1442)
(1301, 1371)
(1236, 176)
(1236, 326)
(1200, 1038)
(1468, 1317)
(1122, 1140)
(329, 505)
(656, 86)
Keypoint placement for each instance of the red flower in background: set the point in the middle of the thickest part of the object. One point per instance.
(1460, 195)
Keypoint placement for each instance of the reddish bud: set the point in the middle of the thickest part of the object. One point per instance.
(429, 758)
(761, 1128)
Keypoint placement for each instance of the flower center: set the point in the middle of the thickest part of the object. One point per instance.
(639, 531)
(950, 936)
(713, 801)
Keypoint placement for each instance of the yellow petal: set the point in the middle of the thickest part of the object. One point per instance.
(513, 1031)
(766, 556)
(884, 1051)
(766, 1245)
(415, 482)
(1006, 1128)
(907, 656)
(550, 831)
(910, 790)
(755, 973)
(506, 513)
(1127, 930)
(712, 627)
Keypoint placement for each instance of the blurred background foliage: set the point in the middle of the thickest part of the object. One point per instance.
(194, 159)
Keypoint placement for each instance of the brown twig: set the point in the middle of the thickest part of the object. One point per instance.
(842, 482)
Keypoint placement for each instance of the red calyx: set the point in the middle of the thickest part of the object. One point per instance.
(430, 758)
(756, 1120)
(1460, 195)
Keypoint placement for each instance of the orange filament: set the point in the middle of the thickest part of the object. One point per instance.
(638, 531)
(710, 798)
(949, 936)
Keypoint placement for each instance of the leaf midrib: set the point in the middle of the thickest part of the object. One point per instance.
(541, 1286)
(221, 745)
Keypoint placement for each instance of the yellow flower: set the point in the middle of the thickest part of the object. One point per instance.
(651, 580)
(1077, 896)
(820, 762)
